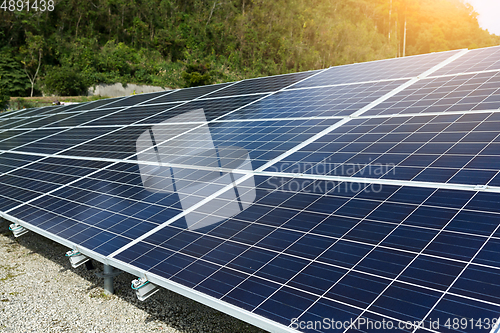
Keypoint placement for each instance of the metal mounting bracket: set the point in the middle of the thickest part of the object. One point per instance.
(17, 229)
(143, 288)
(76, 258)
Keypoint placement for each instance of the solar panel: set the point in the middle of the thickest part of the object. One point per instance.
(262, 85)
(377, 70)
(478, 60)
(329, 200)
(445, 94)
(316, 102)
(460, 148)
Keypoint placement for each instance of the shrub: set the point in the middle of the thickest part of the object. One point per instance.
(197, 74)
(64, 81)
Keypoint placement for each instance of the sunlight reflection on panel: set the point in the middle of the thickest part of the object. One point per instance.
(193, 147)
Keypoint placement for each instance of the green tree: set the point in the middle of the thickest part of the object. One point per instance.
(12, 77)
(32, 57)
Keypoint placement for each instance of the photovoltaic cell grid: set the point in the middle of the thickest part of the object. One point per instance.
(94, 104)
(461, 149)
(296, 247)
(474, 61)
(377, 70)
(102, 211)
(45, 121)
(262, 85)
(264, 140)
(309, 253)
(445, 94)
(316, 102)
(188, 94)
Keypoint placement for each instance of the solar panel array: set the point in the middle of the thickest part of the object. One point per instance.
(331, 200)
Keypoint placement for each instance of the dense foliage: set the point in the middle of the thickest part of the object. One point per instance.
(191, 42)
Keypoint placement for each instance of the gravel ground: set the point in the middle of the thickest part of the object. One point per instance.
(40, 292)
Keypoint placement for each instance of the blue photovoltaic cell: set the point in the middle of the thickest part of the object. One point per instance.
(13, 138)
(474, 61)
(262, 85)
(130, 115)
(188, 94)
(377, 70)
(94, 104)
(316, 102)
(40, 177)
(10, 161)
(14, 122)
(263, 140)
(60, 141)
(461, 149)
(154, 114)
(81, 118)
(445, 94)
(135, 99)
(352, 255)
(7, 114)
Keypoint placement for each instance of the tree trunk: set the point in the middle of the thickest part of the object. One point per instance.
(211, 12)
(390, 14)
(404, 40)
(77, 24)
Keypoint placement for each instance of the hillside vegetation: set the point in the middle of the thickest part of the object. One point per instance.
(179, 43)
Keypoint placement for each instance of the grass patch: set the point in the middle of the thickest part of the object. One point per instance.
(17, 103)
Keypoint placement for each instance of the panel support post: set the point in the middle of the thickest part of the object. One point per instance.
(108, 279)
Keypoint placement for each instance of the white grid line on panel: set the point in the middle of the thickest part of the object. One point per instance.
(396, 115)
(396, 182)
(55, 155)
(415, 258)
(451, 186)
(201, 203)
(469, 132)
(368, 107)
(464, 73)
(45, 127)
(9, 114)
(440, 113)
(460, 274)
(296, 256)
(350, 83)
(218, 118)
